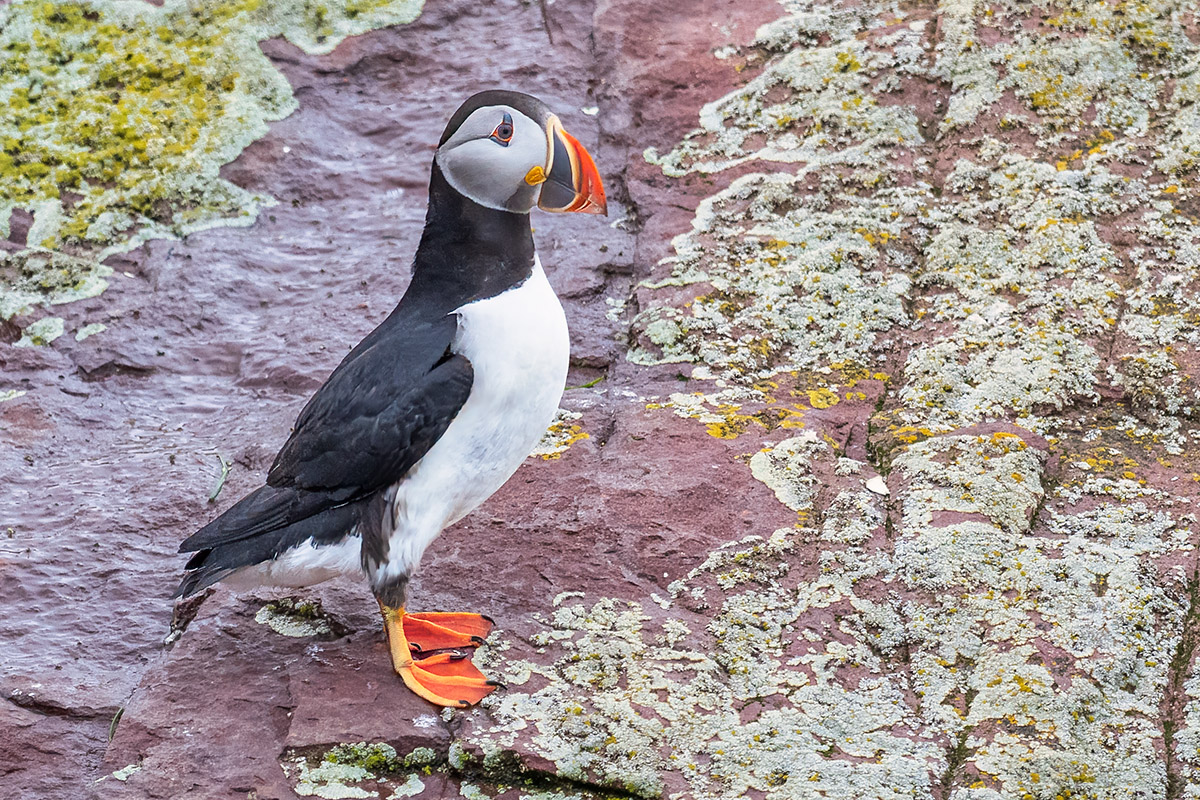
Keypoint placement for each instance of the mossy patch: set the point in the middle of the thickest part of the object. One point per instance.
(45, 277)
(355, 770)
(376, 770)
(297, 618)
(117, 117)
(372, 756)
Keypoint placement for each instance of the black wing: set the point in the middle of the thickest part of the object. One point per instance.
(378, 414)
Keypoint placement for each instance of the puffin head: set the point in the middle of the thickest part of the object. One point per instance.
(508, 151)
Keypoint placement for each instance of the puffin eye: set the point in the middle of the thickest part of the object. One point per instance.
(504, 131)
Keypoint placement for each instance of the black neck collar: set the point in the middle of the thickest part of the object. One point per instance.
(467, 251)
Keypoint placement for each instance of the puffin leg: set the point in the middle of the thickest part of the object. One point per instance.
(438, 630)
(445, 679)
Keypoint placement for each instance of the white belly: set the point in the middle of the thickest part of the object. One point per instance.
(518, 345)
(303, 565)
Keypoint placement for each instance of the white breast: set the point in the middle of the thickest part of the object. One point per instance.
(518, 345)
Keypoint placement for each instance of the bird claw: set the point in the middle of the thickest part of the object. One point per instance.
(455, 653)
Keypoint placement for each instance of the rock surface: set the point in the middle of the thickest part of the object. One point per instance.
(877, 480)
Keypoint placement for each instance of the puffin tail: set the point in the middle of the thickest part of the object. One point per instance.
(260, 527)
(199, 575)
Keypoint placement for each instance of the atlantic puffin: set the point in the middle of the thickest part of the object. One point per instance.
(436, 408)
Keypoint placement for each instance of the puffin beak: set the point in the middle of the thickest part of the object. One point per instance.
(572, 182)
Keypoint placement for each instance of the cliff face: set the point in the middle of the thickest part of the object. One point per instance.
(878, 470)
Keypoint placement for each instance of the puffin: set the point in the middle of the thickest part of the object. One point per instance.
(436, 408)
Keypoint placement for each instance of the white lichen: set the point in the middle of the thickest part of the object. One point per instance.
(41, 333)
(294, 618)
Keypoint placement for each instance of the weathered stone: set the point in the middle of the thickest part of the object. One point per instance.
(950, 252)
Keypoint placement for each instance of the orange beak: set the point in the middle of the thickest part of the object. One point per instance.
(572, 181)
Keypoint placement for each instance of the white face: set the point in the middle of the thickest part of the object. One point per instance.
(489, 156)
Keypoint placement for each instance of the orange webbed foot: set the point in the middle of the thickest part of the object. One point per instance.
(430, 631)
(447, 677)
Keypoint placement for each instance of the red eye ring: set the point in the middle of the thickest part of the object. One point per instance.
(503, 132)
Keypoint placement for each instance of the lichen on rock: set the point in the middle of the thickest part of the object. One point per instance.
(40, 333)
(329, 780)
(885, 664)
(1019, 303)
(784, 468)
(294, 617)
(1009, 605)
(1092, 66)
(810, 103)
(791, 287)
(118, 117)
(561, 434)
(1025, 264)
(622, 705)
(959, 352)
(1008, 260)
(791, 272)
(359, 770)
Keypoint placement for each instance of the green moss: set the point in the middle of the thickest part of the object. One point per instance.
(360, 770)
(33, 277)
(291, 616)
(375, 770)
(372, 756)
(116, 117)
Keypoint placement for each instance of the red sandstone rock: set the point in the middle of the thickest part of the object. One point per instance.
(213, 344)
